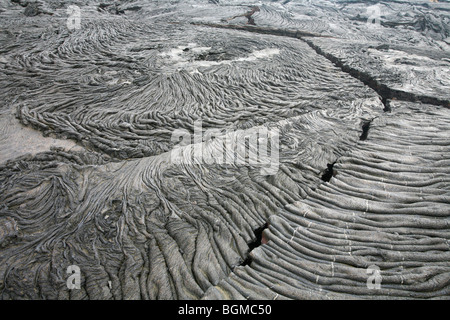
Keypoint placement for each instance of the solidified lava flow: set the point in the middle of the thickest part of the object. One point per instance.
(220, 149)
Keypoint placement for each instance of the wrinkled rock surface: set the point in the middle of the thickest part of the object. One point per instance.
(358, 93)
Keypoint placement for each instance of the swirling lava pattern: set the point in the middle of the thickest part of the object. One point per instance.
(356, 186)
(143, 91)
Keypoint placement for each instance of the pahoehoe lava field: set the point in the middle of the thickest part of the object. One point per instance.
(100, 106)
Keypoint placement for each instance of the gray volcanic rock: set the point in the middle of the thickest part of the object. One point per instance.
(412, 73)
(385, 206)
(104, 166)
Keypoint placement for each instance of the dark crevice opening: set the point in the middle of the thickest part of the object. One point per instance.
(387, 106)
(385, 92)
(254, 244)
(248, 15)
(329, 172)
(365, 130)
(246, 262)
